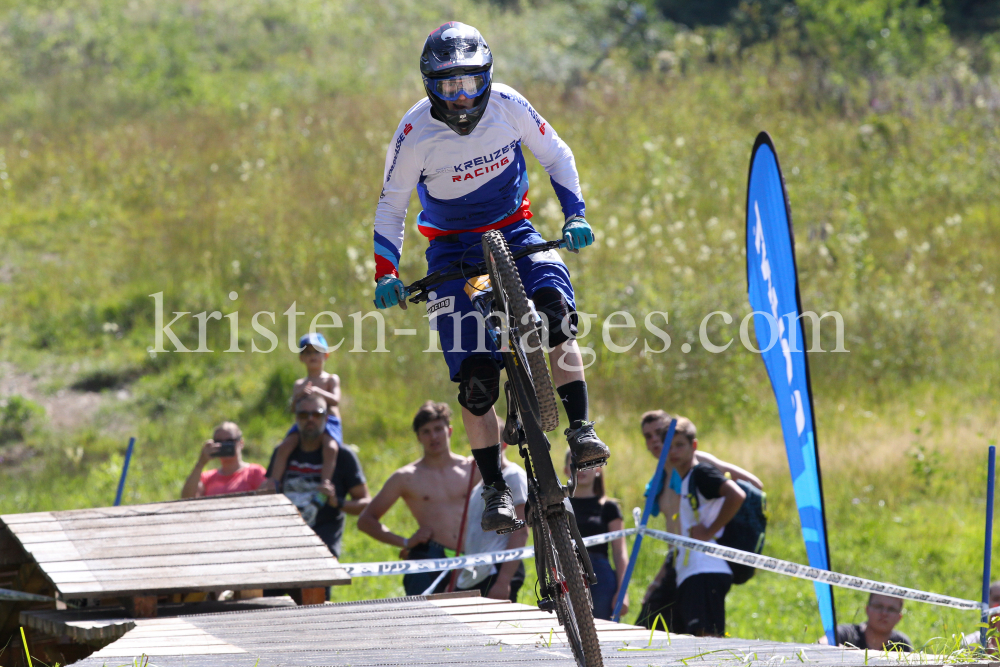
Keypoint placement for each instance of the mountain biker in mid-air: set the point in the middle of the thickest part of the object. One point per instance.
(461, 149)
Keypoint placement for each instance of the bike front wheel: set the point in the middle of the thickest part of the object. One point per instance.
(576, 603)
(508, 291)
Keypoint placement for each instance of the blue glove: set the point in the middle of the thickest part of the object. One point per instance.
(577, 233)
(389, 291)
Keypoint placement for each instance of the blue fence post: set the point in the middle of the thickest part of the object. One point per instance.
(988, 550)
(121, 482)
(651, 497)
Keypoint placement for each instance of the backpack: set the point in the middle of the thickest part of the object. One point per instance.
(747, 529)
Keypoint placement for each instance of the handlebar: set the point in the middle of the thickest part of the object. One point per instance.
(417, 292)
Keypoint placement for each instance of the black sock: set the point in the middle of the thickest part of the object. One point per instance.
(574, 399)
(488, 460)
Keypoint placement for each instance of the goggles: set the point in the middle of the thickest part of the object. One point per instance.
(469, 85)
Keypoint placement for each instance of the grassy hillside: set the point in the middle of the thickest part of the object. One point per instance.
(219, 148)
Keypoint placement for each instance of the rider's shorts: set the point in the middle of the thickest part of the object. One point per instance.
(449, 301)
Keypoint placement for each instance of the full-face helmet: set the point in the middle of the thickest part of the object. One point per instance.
(457, 66)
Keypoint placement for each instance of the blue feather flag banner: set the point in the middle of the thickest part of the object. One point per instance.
(773, 288)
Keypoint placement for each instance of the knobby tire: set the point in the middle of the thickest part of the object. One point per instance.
(579, 591)
(507, 288)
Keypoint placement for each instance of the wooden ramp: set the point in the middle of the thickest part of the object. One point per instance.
(448, 629)
(99, 626)
(141, 551)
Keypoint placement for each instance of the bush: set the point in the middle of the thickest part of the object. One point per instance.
(16, 415)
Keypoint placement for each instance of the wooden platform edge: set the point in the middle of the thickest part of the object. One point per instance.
(98, 636)
(276, 583)
(454, 594)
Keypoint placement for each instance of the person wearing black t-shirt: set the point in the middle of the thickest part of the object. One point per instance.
(879, 632)
(597, 514)
(322, 504)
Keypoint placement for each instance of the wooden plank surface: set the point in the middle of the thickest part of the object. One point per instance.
(149, 509)
(138, 574)
(57, 552)
(190, 559)
(95, 548)
(239, 543)
(206, 528)
(233, 581)
(237, 515)
(416, 631)
(101, 625)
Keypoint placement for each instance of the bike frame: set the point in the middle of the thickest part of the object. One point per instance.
(544, 486)
(549, 499)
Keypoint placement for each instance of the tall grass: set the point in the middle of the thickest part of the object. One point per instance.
(203, 150)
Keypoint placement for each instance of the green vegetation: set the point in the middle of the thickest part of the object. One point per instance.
(199, 150)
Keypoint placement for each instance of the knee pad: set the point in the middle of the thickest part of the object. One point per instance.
(479, 387)
(558, 318)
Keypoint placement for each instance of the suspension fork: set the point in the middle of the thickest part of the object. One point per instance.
(514, 429)
(588, 567)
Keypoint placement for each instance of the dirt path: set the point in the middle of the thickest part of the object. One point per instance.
(65, 410)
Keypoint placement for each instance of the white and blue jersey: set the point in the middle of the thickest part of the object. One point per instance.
(470, 183)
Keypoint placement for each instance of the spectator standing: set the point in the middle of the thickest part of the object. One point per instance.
(503, 582)
(661, 594)
(708, 502)
(233, 475)
(597, 514)
(433, 488)
(654, 426)
(879, 631)
(323, 503)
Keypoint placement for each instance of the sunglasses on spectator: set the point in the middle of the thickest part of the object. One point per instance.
(306, 414)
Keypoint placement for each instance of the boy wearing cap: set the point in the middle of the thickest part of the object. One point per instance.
(317, 382)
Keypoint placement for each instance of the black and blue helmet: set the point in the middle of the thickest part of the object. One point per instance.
(457, 62)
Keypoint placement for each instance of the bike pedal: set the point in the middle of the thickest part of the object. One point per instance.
(503, 531)
(547, 604)
(590, 465)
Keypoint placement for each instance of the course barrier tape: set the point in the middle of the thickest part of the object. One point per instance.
(760, 562)
(470, 560)
(798, 571)
(757, 561)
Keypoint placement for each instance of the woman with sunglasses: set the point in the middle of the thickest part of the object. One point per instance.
(234, 475)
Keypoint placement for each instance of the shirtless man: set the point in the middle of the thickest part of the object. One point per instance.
(661, 592)
(433, 488)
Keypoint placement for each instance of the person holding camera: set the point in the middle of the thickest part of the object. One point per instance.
(233, 475)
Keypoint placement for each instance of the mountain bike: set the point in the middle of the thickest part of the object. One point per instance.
(565, 573)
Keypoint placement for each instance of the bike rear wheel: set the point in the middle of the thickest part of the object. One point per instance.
(508, 290)
(576, 601)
